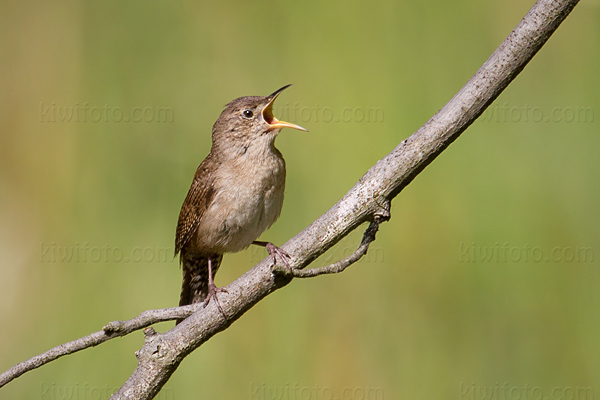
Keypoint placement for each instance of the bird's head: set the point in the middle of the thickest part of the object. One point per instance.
(249, 119)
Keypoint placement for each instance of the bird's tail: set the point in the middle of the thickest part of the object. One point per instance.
(194, 287)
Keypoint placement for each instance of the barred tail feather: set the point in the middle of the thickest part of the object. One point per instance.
(194, 287)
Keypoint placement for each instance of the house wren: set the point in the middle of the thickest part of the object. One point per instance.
(236, 194)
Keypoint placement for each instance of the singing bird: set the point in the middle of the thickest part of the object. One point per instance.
(236, 194)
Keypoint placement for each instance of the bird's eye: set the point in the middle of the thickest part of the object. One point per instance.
(248, 113)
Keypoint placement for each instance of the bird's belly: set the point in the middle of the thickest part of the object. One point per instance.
(239, 214)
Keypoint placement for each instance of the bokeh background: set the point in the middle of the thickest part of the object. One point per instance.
(485, 279)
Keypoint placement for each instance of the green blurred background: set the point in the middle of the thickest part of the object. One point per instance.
(486, 277)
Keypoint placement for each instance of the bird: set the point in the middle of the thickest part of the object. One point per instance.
(236, 194)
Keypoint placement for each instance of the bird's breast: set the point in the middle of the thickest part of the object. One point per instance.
(248, 199)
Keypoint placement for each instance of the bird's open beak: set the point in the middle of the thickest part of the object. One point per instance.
(267, 114)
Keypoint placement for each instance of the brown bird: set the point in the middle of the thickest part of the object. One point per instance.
(236, 194)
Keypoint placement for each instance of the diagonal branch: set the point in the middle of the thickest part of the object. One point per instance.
(368, 200)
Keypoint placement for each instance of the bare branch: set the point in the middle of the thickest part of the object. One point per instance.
(339, 266)
(109, 331)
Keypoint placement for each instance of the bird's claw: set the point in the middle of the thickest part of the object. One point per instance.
(275, 252)
(213, 290)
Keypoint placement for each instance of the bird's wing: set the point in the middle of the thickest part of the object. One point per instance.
(196, 203)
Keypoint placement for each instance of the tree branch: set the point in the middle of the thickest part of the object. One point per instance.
(368, 200)
(111, 330)
(339, 266)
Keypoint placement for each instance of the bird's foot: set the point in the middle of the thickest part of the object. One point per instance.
(275, 252)
(213, 290)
